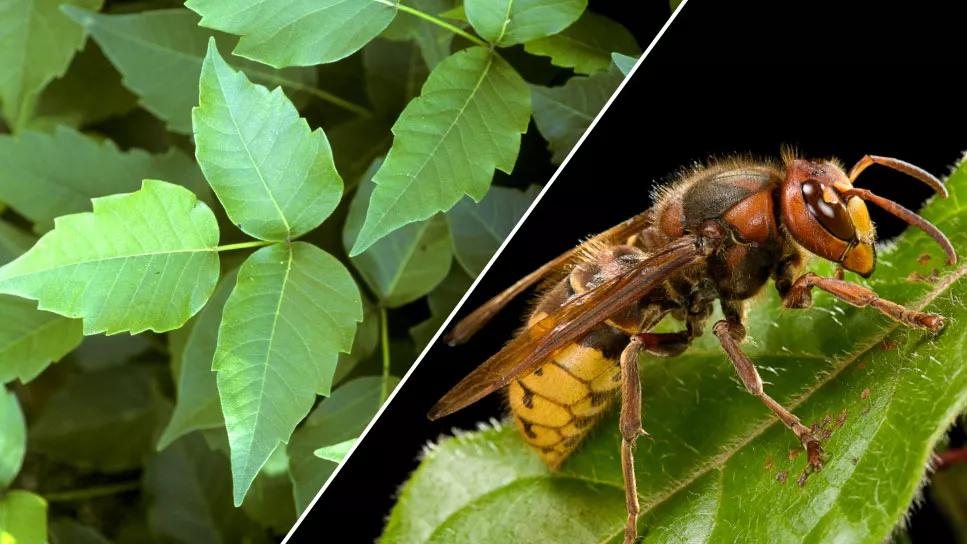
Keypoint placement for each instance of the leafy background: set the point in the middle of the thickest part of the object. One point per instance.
(881, 397)
(410, 136)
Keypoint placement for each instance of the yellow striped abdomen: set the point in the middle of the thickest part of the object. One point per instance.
(556, 405)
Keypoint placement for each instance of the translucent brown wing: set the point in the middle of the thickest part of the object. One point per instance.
(468, 326)
(535, 344)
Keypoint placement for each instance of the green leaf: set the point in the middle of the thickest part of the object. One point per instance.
(364, 344)
(13, 437)
(341, 417)
(275, 176)
(509, 22)
(297, 32)
(405, 265)
(294, 308)
(23, 518)
(188, 488)
(139, 261)
(90, 92)
(467, 122)
(49, 175)
(84, 427)
(458, 13)
(13, 242)
(394, 74)
(624, 62)
(100, 351)
(197, 406)
(948, 489)
(335, 452)
(269, 501)
(356, 144)
(563, 114)
(433, 40)
(68, 531)
(478, 229)
(587, 45)
(37, 43)
(441, 300)
(30, 339)
(159, 53)
(718, 462)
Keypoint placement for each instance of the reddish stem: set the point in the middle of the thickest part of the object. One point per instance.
(951, 457)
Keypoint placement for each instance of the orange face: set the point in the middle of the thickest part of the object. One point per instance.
(822, 220)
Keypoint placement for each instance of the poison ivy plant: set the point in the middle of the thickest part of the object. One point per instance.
(132, 414)
(294, 33)
(340, 418)
(434, 42)
(563, 113)
(160, 54)
(189, 490)
(205, 203)
(49, 175)
(90, 92)
(29, 339)
(623, 62)
(13, 437)
(509, 22)
(441, 301)
(151, 250)
(405, 265)
(336, 452)
(22, 517)
(293, 309)
(68, 531)
(466, 123)
(192, 351)
(274, 175)
(479, 228)
(879, 396)
(587, 45)
(37, 43)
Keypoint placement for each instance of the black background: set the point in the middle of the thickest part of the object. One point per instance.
(727, 77)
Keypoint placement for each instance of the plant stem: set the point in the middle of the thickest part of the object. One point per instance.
(384, 344)
(92, 492)
(442, 24)
(244, 245)
(948, 458)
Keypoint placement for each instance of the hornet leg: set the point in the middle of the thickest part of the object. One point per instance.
(727, 332)
(630, 425)
(630, 420)
(859, 296)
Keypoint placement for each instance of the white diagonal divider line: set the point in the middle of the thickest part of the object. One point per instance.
(480, 276)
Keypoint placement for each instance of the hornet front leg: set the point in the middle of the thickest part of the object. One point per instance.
(798, 296)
